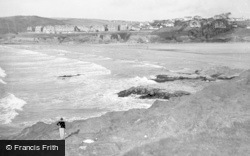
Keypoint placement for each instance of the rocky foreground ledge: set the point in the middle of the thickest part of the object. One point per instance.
(208, 75)
(214, 121)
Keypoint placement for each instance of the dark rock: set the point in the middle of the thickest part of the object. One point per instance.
(166, 78)
(212, 74)
(68, 76)
(151, 93)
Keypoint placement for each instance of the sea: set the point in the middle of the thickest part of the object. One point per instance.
(47, 82)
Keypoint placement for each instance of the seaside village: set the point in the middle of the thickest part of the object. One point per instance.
(193, 22)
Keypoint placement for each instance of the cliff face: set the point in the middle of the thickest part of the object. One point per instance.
(214, 121)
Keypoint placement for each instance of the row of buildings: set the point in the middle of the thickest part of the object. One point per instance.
(191, 21)
(198, 21)
(49, 29)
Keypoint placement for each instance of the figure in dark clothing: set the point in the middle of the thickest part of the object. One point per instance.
(61, 125)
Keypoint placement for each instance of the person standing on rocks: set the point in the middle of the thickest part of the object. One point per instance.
(61, 125)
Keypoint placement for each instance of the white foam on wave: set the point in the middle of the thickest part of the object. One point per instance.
(148, 65)
(49, 68)
(2, 72)
(102, 94)
(30, 52)
(141, 81)
(9, 105)
(153, 65)
(1, 81)
(96, 93)
(182, 70)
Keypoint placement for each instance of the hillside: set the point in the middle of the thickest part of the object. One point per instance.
(16, 24)
(177, 34)
(88, 22)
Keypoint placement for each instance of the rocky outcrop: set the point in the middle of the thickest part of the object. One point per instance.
(212, 74)
(63, 77)
(165, 78)
(151, 93)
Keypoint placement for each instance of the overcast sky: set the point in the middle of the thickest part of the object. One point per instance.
(139, 10)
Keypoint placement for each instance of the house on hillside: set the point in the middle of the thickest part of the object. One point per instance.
(69, 28)
(134, 28)
(98, 28)
(112, 28)
(82, 28)
(91, 28)
(188, 18)
(209, 20)
(218, 17)
(30, 29)
(195, 24)
(49, 29)
(64, 29)
(232, 22)
(168, 23)
(39, 29)
(197, 18)
(240, 19)
(220, 24)
(123, 27)
(179, 19)
(152, 27)
(222, 16)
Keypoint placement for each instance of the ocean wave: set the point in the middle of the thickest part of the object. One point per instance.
(2, 72)
(183, 70)
(49, 68)
(65, 117)
(1, 81)
(9, 107)
(102, 94)
(141, 81)
(149, 65)
(30, 52)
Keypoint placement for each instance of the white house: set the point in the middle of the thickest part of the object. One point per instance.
(195, 24)
(39, 29)
(49, 29)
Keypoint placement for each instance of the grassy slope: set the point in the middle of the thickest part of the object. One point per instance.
(17, 24)
(88, 22)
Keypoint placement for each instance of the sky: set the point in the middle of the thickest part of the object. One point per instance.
(134, 10)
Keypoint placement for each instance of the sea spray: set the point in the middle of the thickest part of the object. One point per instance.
(2, 74)
(9, 107)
